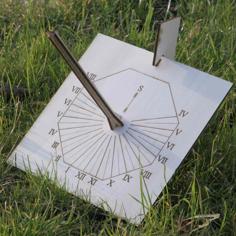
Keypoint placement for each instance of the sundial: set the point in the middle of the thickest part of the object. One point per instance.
(121, 122)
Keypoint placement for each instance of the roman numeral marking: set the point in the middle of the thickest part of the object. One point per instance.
(170, 145)
(162, 159)
(58, 157)
(67, 169)
(111, 182)
(59, 113)
(92, 181)
(67, 101)
(146, 174)
(178, 131)
(80, 175)
(75, 89)
(183, 113)
(52, 131)
(127, 178)
(91, 76)
(55, 144)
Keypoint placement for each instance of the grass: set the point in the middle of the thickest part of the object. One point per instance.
(205, 183)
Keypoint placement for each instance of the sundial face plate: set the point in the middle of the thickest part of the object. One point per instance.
(147, 110)
(163, 109)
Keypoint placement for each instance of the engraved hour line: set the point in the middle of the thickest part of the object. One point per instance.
(81, 139)
(87, 110)
(99, 153)
(123, 153)
(91, 106)
(81, 118)
(147, 135)
(65, 123)
(69, 121)
(132, 148)
(86, 141)
(77, 122)
(141, 152)
(149, 143)
(80, 127)
(113, 155)
(82, 158)
(138, 158)
(84, 115)
(77, 136)
(157, 124)
(92, 152)
(140, 143)
(85, 105)
(161, 123)
(103, 156)
(118, 154)
(81, 155)
(145, 126)
(128, 152)
(166, 136)
(76, 132)
(78, 140)
(149, 124)
(96, 152)
(158, 118)
(89, 99)
(89, 139)
(107, 160)
(130, 158)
